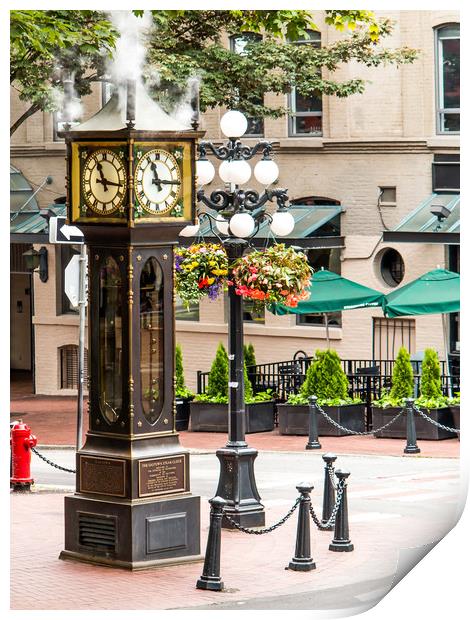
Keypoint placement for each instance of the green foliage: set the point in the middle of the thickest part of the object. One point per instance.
(186, 43)
(43, 43)
(455, 401)
(217, 384)
(430, 386)
(247, 383)
(326, 378)
(181, 391)
(302, 399)
(402, 377)
(249, 354)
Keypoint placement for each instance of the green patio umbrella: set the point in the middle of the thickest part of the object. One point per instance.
(435, 292)
(330, 292)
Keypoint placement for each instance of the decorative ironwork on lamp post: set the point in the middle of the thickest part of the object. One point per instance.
(240, 213)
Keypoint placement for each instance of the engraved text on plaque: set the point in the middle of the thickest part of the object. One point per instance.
(105, 476)
(162, 475)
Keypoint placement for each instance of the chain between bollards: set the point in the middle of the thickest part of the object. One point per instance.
(328, 488)
(46, 460)
(313, 443)
(411, 445)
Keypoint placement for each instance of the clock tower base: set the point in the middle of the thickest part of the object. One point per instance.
(132, 535)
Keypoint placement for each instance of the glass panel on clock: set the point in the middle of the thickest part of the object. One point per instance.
(151, 340)
(110, 337)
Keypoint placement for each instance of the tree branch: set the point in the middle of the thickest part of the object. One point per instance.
(29, 112)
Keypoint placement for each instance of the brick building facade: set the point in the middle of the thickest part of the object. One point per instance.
(386, 138)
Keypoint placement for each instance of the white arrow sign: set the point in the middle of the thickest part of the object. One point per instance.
(72, 280)
(60, 232)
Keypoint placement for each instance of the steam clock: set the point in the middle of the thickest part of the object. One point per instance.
(131, 189)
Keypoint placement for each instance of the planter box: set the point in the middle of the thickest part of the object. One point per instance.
(182, 413)
(212, 417)
(424, 429)
(293, 420)
(455, 411)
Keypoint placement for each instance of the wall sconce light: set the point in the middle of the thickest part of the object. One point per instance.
(35, 259)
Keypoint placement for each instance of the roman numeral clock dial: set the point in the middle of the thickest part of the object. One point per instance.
(157, 181)
(104, 181)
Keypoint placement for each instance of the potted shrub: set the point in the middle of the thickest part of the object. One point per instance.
(454, 406)
(327, 380)
(209, 411)
(250, 361)
(390, 403)
(432, 401)
(183, 395)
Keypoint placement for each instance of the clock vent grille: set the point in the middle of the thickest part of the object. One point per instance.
(97, 532)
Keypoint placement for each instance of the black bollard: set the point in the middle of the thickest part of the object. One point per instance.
(411, 446)
(302, 560)
(210, 578)
(341, 540)
(328, 490)
(313, 443)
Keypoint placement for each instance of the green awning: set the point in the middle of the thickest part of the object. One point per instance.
(330, 292)
(21, 193)
(423, 226)
(435, 292)
(33, 223)
(318, 221)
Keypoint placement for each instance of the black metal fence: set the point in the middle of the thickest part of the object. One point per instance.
(368, 378)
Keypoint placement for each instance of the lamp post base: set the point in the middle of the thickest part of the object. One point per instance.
(237, 486)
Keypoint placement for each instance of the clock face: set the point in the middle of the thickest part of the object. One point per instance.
(104, 181)
(157, 181)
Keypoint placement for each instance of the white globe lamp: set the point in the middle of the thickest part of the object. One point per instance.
(205, 171)
(224, 171)
(242, 225)
(190, 231)
(240, 171)
(266, 171)
(222, 224)
(283, 223)
(233, 124)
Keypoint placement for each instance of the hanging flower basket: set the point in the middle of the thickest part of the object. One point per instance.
(200, 271)
(276, 274)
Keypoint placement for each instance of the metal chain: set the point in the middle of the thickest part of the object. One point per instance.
(423, 415)
(70, 471)
(264, 530)
(348, 430)
(331, 473)
(332, 519)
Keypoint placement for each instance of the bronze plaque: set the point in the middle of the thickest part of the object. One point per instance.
(162, 475)
(103, 475)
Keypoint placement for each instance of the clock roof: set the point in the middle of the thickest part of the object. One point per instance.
(149, 116)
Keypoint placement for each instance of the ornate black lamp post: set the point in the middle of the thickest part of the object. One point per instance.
(239, 215)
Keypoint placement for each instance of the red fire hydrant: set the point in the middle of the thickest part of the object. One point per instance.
(21, 442)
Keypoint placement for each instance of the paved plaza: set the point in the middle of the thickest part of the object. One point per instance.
(388, 498)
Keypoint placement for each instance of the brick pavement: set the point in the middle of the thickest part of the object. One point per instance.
(53, 421)
(55, 584)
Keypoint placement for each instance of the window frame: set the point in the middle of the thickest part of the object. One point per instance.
(441, 111)
(255, 37)
(291, 98)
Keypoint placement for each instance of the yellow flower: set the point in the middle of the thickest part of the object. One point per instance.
(219, 272)
(210, 280)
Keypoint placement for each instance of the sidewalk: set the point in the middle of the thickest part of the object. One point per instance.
(53, 421)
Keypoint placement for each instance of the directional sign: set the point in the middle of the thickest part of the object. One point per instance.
(60, 232)
(72, 280)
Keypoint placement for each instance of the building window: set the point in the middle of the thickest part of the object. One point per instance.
(446, 173)
(306, 110)
(238, 44)
(68, 356)
(182, 313)
(327, 258)
(392, 267)
(448, 78)
(388, 196)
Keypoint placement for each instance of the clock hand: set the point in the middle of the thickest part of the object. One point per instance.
(99, 167)
(165, 182)
(106, 182)
(156, 180)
